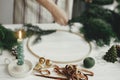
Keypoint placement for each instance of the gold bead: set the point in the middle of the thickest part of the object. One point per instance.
(42, 60)
(48, 63)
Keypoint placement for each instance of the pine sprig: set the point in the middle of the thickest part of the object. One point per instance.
(94, 11)
(36, 30)
(7, 38)
(94, 31)
(118, 1)
(118, 9)
(99, 24)
(100, 2)
(116, 25)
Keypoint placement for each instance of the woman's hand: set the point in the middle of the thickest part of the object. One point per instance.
(58, 14)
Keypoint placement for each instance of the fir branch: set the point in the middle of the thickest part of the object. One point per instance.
(98, 30)
(8, 37)
(118, 1)
(94, 11)
(101, 2)
(118, 8)
(36, 30)
(106, 19)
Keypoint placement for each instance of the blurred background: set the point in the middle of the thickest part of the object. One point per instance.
(6, 11)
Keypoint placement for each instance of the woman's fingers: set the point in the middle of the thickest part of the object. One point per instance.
(60, 17)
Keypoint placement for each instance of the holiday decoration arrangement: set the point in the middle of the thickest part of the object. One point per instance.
(67, 72)
(99, 25)
(22, 65)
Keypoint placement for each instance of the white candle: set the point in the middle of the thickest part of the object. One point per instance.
(19, 36)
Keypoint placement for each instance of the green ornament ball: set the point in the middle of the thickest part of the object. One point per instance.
(88, 62)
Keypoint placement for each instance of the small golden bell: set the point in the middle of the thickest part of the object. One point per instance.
(48, 63)
(42, 60)
(38, 66)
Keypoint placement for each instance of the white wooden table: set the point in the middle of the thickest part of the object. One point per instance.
(102, 69)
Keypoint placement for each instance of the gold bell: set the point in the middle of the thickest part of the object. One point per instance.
(48, 63)
(38, 66)
(42, 60)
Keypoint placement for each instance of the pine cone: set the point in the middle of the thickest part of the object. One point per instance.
(118, 50)
(14, 52)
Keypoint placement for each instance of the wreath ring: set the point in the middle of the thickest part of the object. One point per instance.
(63, 62)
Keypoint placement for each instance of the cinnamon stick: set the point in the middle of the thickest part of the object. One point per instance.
(51, 77)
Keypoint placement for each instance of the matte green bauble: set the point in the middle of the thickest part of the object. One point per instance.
(88, 62)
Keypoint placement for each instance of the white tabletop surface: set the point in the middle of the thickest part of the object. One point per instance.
(102, 69)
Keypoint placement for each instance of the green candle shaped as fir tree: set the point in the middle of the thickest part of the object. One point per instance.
(111, 55)
(20, 54)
